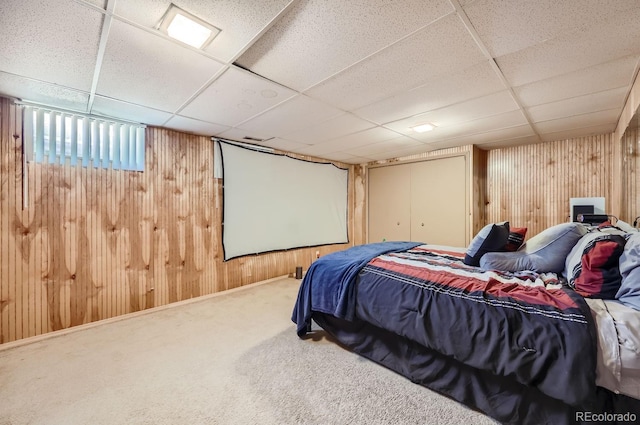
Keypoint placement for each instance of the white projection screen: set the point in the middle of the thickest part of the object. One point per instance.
(274, 202)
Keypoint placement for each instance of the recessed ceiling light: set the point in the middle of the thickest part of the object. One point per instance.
(185, 27)
(422, 128)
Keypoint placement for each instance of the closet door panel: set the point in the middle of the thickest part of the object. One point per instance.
(439, 201)
(389, 203)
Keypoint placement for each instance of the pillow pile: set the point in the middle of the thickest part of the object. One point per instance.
(494, 237)
(545, 252)
(591, 267)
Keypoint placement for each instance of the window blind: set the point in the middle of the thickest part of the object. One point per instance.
(67, 138)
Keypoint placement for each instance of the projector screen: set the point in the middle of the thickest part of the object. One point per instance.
(275, 202)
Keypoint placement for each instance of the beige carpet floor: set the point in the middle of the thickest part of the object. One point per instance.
(228, 359)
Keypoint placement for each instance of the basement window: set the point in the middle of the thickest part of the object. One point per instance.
(68, 138)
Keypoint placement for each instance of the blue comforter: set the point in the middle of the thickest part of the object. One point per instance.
(337, 273)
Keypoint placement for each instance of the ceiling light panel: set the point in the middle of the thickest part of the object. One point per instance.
(236, 96)
(423, 128)
(330, 45)
(187, 28)
(142, 68)
(239, 21)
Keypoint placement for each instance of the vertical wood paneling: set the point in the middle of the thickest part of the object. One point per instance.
(96, 243)
(630, 190)
(530, 185)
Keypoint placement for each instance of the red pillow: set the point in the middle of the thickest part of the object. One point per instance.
(516, 238)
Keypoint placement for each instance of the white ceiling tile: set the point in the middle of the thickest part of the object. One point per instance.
(442, 48)
(239, 20)
(372, 135)
(236, 96)
(604, 118)
(569, 52)
(384, 147)
(242, 135)
(142, 68)
(377, 68)
(28, 89)
(333, 128)
(361, 138)
(299, 112)
(578, 132)
(306, 46)
(482, 107)
(482, 125)
(600, 101)
(475, 81)
(102, 4)
(285, 145)
(452, 116)
(54, 44)
(516, 141)
(345, 157)
(190, 125)
(489, 136)
(506, 27)
(604, 76)
(123, 110)
(404, 152)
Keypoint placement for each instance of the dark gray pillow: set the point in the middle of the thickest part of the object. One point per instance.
(629, 292)
(545, 252)
(492, 237)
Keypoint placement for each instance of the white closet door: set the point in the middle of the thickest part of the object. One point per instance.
(439, 201)
(389, 203)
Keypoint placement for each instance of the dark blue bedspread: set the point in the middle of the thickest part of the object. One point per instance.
(337, 272)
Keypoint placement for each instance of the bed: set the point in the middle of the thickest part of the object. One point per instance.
(521, 341)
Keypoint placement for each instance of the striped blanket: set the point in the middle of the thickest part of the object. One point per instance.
(524, 325)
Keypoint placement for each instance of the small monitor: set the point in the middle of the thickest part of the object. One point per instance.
(589, 206)
(581, 209)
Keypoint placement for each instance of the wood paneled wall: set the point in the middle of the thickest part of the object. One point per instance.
(530, 185)
(78, 245)
(630, 188)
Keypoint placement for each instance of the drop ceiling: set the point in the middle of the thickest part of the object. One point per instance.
(340, 80)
